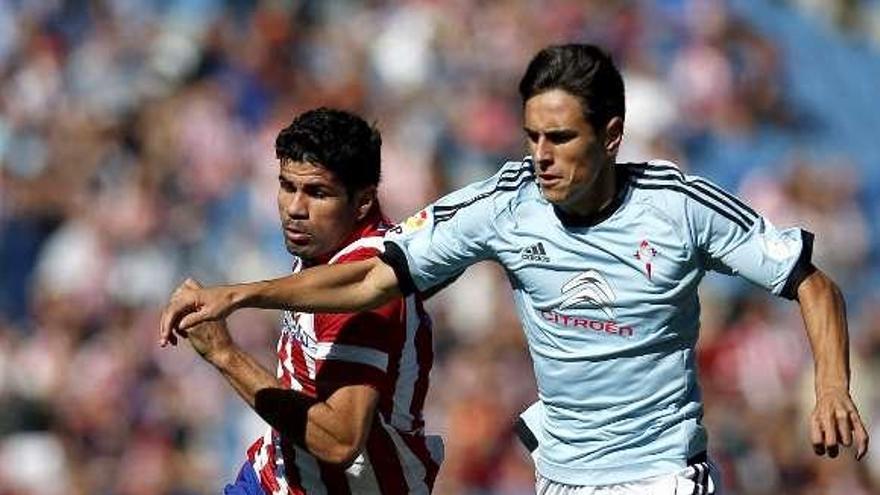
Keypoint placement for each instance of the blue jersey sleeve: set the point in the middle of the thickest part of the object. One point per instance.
(434, 246)
(732, 238)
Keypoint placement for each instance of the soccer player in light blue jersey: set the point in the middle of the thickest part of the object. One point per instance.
(604, 259)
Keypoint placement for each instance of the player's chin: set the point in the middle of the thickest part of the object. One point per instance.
(302, 250)
(555, 195)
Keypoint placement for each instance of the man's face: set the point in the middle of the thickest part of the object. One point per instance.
(315, 210)
(568, 154)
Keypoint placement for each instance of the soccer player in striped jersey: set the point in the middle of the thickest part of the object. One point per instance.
(604, 260)
(345, 405)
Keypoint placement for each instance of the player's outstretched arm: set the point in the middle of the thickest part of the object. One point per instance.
(338, 288)
(835, 421)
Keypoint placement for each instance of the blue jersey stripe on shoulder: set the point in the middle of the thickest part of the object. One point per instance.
(716, 193)
(726, 194)
(675, 186)
(699, 180)
(708, 196)
(523, 165)
(507, 177)
(509, 180)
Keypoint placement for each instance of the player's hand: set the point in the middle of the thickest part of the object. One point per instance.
(210, 339)
(190, 305)
(835, 421)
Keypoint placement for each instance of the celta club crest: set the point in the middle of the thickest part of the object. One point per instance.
(589, 290)
(645, 253)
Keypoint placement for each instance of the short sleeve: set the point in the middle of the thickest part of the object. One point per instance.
(437, 244)
(734, 239)
(354, 348)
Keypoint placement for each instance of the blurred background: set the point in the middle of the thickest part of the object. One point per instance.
(136, 148)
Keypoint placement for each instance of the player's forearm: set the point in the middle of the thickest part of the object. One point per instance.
(243, 372)
(342, 288)
(284, 411)
(824, 312)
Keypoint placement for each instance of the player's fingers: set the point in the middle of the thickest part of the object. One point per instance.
(191, 283)
(192, 319)
(169, 314)
(829, 432)
(177, 308)
(816, 437)
(860, 435)
(180, 289)
(170, 339)
(164, 328)
(844, 427)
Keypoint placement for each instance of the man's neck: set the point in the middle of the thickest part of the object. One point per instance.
(373, 217)
(600, 196)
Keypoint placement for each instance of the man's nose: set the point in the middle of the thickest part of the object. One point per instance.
(298, 206)
(543, 151)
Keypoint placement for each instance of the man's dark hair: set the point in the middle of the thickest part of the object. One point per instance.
(585, 71)
(337, 140)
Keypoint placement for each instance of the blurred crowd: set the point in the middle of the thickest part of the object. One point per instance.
(136, 148)
(859, 17)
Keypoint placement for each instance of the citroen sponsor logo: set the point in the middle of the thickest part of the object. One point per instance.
(589, 290)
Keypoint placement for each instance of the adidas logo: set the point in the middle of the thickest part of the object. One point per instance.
(535, 252)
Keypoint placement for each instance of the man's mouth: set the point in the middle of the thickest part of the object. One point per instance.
(297, 236)
(548, 180)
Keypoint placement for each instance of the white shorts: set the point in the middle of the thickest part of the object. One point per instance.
(701, 478)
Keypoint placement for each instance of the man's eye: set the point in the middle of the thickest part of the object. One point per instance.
(559, 137)
(319, 194)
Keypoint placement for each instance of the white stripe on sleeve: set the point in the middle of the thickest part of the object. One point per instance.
(353, 354)
(376, 242)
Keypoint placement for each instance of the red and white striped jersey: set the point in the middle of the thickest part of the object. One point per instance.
(389, 348)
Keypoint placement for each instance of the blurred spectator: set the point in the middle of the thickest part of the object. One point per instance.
(825, 201)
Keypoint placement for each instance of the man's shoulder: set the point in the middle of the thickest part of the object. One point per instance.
(360, 249)
(513, 183)
(653, 170)
(665, 185)
(666, 176)
(513, 176)
(661, 183)
(366, 241)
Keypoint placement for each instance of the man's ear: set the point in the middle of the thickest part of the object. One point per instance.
(613, 135)
(364, 200)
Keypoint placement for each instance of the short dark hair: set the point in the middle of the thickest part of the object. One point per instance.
(585, 71)
(337, 140)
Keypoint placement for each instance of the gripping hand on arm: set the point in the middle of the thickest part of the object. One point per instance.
(193, 304)
(835, 420)
(346, 287)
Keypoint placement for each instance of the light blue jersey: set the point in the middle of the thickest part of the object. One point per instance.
(608, 304)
